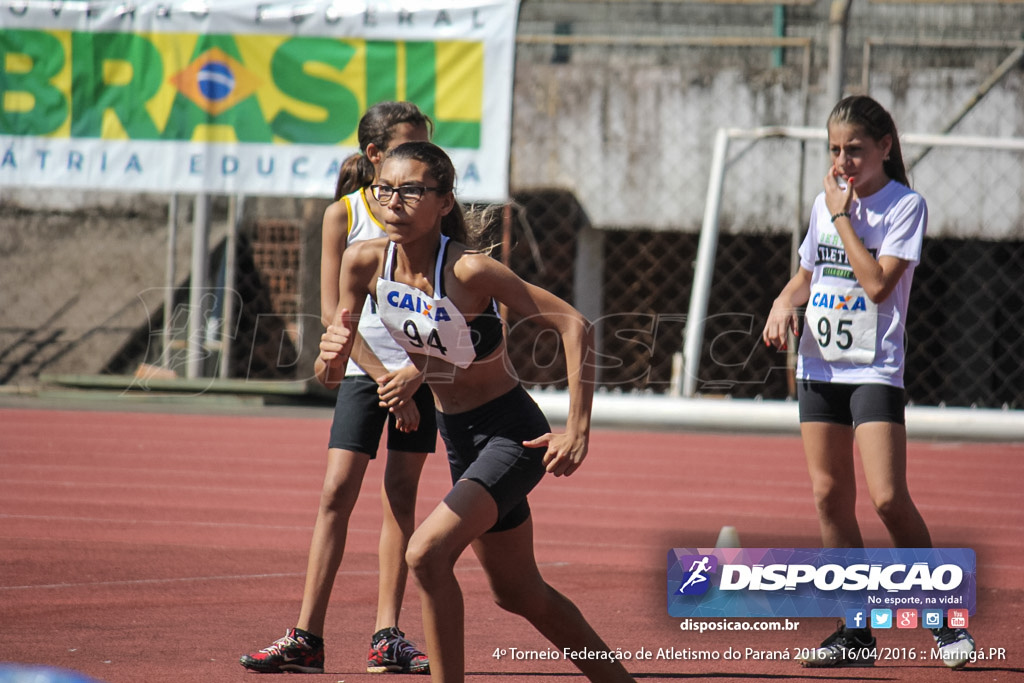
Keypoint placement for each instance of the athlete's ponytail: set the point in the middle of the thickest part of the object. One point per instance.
(876, 122)
(356, 172)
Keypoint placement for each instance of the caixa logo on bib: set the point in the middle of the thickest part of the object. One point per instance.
(809, 582)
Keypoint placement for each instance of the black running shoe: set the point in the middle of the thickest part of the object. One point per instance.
(390, 652)
(843, 649)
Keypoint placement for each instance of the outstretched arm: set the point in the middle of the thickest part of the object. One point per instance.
(567, 450)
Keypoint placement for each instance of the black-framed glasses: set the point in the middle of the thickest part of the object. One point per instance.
(409, 194)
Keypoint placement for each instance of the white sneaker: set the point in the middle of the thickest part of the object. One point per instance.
(955, 646)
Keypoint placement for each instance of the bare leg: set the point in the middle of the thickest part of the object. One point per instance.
(883, 451)
(398, 495)
(466, 513)
(517, 586)
(829, 451)
(345, 471)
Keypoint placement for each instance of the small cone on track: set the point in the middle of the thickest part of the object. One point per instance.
(728, 537)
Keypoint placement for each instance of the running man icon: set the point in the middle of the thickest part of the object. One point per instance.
(697, 573)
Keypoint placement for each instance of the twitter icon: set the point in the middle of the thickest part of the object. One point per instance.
(881, 618)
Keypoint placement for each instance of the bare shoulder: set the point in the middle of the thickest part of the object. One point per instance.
(335, 226)
(470, 266)
(337, 212)
(366, 253)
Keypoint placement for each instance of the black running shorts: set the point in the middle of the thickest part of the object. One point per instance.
(851, 404)
(485, 445)
(359, 420)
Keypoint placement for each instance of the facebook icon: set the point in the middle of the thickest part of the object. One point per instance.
(856, 618)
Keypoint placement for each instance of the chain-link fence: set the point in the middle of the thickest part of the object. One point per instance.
(256, 337)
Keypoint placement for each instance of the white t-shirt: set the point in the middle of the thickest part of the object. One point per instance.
(363, 226)
(846, 339)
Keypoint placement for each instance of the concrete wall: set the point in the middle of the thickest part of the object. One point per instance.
(629, 128)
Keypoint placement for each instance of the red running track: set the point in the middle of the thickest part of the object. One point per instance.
(160, 547)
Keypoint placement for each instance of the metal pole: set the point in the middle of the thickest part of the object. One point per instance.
(506, 249)
(838, 20)
(982, 90)
(236, 209)
(704, 269)
(587, 290)
(197, 287)
(172, 265)
(779, 26)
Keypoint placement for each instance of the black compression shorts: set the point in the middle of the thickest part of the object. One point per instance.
(485, 445)
(851, 404)
(359, 420)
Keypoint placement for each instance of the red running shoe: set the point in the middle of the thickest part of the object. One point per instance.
(293, 652)
(390, 652)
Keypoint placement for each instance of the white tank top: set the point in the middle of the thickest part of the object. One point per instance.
(363, 226)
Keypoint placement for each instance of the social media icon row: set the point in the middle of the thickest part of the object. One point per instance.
(904, 618)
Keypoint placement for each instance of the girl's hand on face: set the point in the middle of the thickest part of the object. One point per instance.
(838, 198)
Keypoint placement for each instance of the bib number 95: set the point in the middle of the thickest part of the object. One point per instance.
(842, 335)
(843, 321)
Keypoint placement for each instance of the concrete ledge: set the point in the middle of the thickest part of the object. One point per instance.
(615, 411)
(630, 411)
(207, 390)
(180, 385)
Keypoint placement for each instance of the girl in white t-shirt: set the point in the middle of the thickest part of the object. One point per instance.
(856, 268)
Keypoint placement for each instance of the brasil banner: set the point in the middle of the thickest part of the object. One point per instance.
(256, 98)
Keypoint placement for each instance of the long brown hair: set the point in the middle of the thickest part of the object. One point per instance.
(442, 170)
(375, 128)
(876, 122)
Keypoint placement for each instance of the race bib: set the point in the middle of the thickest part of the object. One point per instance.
(843, 323)
(424, 325)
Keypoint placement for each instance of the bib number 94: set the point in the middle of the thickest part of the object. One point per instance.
(433, 338)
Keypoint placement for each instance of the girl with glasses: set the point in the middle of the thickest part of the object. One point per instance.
(438, 299)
